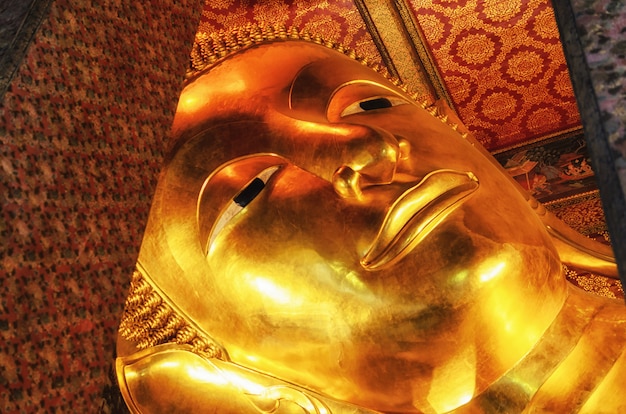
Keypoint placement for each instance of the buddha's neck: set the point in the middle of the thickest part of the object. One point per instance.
(578, 363)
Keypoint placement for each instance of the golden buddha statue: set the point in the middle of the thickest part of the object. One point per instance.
(320, 242)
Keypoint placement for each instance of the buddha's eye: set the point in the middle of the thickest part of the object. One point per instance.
(371, 104)
(250, 192)
(243, 198)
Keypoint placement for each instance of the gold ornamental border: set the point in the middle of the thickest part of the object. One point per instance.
(402, 45)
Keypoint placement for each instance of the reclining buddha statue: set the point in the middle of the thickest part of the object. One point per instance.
(320, 241)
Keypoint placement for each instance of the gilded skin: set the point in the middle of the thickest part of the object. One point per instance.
(383, 262)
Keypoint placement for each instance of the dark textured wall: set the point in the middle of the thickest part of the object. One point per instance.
(595, 49)
(83, 126)
(19, 20)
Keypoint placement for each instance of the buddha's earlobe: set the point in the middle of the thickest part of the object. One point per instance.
(575, 249)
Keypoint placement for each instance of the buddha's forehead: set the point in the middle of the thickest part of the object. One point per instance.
(281, 76)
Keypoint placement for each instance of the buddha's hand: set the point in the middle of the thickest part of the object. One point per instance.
(171, 378)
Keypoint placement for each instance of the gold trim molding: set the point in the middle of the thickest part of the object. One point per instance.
(402, 46)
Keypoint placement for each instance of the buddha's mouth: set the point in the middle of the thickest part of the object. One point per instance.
(416, 213)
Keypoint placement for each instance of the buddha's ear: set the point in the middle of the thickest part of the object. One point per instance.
(574, 249)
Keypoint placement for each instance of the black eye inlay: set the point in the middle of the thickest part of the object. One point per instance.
(378, 103)
(249, 193)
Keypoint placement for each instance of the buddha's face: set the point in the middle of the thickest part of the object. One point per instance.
(328, 231)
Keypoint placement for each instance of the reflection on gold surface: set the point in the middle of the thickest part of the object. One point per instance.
(320, 243)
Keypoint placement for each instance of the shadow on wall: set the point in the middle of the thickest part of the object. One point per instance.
(19, 20)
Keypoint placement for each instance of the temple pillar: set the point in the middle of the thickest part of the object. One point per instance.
(593, 38)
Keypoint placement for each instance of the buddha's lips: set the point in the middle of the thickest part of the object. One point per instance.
(416, 213)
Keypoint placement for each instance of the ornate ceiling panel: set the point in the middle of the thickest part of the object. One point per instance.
(337, 20)
(503, 67)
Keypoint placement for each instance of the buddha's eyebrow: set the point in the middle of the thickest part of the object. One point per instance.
(306, 89)
(314, 84)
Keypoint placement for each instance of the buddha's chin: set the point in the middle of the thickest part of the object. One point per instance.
(403, 350)
(466, 245)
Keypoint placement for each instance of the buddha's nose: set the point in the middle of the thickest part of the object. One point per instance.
(350, 156)
(370, 160)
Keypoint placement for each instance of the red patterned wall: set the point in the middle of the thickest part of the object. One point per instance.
(503, 65)
(337, 20)
(83, 128)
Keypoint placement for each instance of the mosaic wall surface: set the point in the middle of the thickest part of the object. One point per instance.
(83, 128)
(503, 65)
(605, 51)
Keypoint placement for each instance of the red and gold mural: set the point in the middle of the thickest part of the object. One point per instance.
(503, 65)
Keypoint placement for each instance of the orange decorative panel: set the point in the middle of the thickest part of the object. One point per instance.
(336, 20)
(503, 65)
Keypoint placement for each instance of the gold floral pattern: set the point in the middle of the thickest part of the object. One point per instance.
(476, 49)
(500, 11)
(525, 66)
(584, 213)
(497, 46)
(600, 285)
